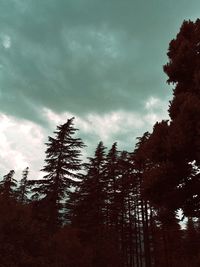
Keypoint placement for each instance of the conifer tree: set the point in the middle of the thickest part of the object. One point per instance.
(173, 147)
(112, 175)
(90, 209)
(183, 71)
(124, 200)
(90, 213)
(8, 186)
(23, 189)
(62, 166)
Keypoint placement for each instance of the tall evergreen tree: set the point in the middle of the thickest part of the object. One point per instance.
(183, 71)
(8, 186)
(23, 188)
(142, 205)
(112, 175)
(124, 202)
(90, 210)
(62, 166)
(90, 207)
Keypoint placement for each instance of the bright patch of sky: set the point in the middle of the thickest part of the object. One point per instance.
(22, 141)
(6, 41)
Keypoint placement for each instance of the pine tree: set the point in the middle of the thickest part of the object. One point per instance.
(62, 166)
(90, 209)
(112, 175)
(8, 186)
(124, 202)
(90, 213)
(23, 189)
(146, 224)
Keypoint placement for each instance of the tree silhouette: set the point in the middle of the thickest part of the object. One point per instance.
(91, 211)
(183, 71)
(8, 186)
(23, 189)
(111, 176)
(91, 198)
(62, 166)
(173, 147)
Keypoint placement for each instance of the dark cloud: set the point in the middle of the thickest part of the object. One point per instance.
(85, 56)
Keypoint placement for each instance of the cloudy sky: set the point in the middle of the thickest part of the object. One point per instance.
(98, 60)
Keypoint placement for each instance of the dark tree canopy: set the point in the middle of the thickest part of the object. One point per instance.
(173, 147)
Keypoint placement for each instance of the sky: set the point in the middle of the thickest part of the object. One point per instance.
(98, 60)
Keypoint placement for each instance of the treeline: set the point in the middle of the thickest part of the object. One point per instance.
(118, 209)
(99, 216)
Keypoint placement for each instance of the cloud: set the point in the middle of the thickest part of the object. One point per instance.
(91, 56)
(103, 127)
(21, 145)
(114, 126)
(22, 141)
(6, 41)
(152, 102)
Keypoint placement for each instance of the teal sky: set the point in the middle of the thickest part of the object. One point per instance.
(100, 60)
